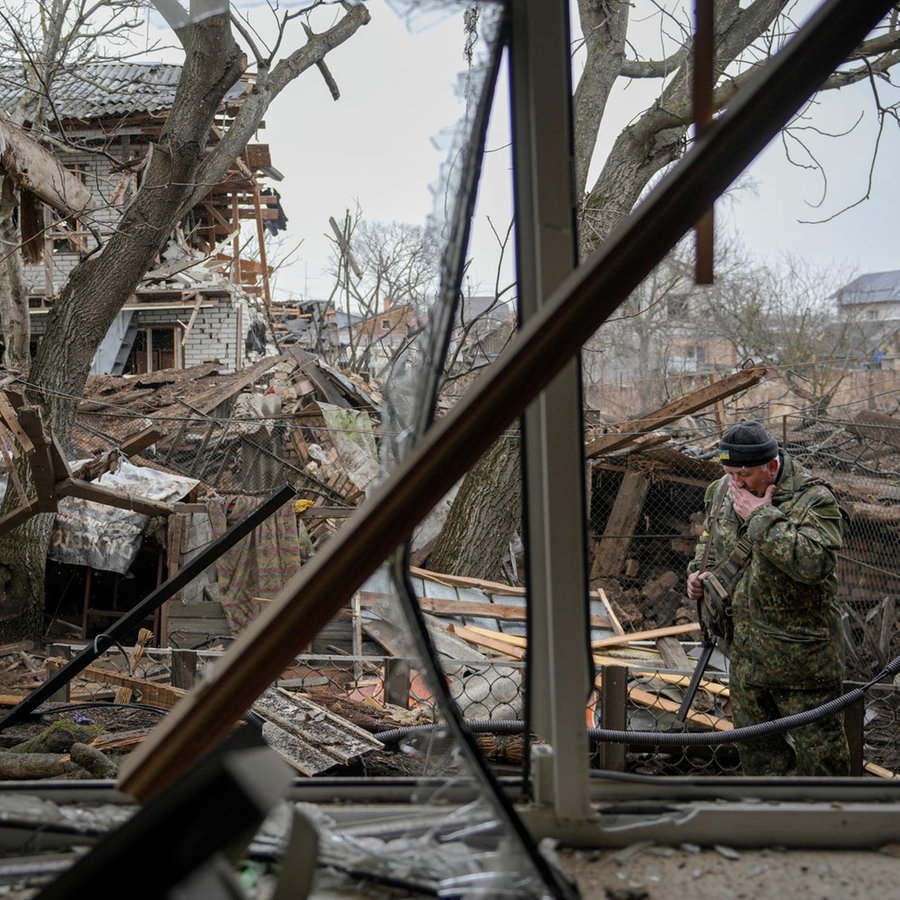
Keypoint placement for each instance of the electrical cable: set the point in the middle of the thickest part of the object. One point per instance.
(668, 738)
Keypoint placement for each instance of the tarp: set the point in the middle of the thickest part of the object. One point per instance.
(92, 534)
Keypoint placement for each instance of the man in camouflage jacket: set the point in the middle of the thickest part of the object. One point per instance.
(786, 651)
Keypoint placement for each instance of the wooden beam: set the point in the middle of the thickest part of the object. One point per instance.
(41, 459)
(628, 432)
(39, 171)
(612, 548)
(151, 692)
(650, 635)
(100, 493)
(11, 418)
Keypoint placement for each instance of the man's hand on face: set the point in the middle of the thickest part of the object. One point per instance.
(745, 501)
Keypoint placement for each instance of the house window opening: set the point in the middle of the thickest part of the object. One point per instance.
(155, 348)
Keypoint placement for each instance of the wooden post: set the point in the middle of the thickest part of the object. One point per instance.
(854, 726)
(612, 549)
(613, 714)
(184, 668)
(397, 682)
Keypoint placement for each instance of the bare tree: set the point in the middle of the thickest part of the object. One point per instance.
(178, 174)
(385, 276)
(609, 55)
(745, 34)
(784, 317)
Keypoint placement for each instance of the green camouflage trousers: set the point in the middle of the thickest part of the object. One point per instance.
(819, 748)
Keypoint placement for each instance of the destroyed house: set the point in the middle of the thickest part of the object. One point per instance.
(200, 301)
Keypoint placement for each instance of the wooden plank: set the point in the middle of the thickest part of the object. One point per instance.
(706, 684)
(499, 643)
(672, 652)
(629, 431)
(879, 771)
(99, 493)
(151, 692)
(654, 701)
(489, 587)
(310, 367)
(613, 619)
(612, 548)
(11, 418)
(19, 515)
(43, 471)
(10, 455)
(175, 552)
(649, 635)
(11, 699)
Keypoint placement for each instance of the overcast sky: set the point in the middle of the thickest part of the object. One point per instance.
(376, 147)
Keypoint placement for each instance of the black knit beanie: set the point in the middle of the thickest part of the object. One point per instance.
(747, 444)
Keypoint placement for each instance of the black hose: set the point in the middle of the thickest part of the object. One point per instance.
(680, 738)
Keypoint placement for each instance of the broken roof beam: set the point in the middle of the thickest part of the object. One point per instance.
(206, 402)
(629, 432)
(37, 170)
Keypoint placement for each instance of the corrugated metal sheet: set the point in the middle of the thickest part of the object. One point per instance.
(107, 89)
(92, 534)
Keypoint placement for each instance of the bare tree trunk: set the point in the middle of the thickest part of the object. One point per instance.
(485, 515)
(23, 557)
(13, 295)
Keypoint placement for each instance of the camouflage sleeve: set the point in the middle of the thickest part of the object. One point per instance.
(803, 541)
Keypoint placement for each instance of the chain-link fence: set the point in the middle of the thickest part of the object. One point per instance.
(125, 695)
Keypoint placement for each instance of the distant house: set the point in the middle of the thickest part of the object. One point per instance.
(872, 296)
(868, 312)
(201, 300)
(380, 336)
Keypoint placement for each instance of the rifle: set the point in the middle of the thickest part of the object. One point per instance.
(708, 612)
(709, 644)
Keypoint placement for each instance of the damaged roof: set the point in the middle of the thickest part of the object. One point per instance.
(104, 89)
